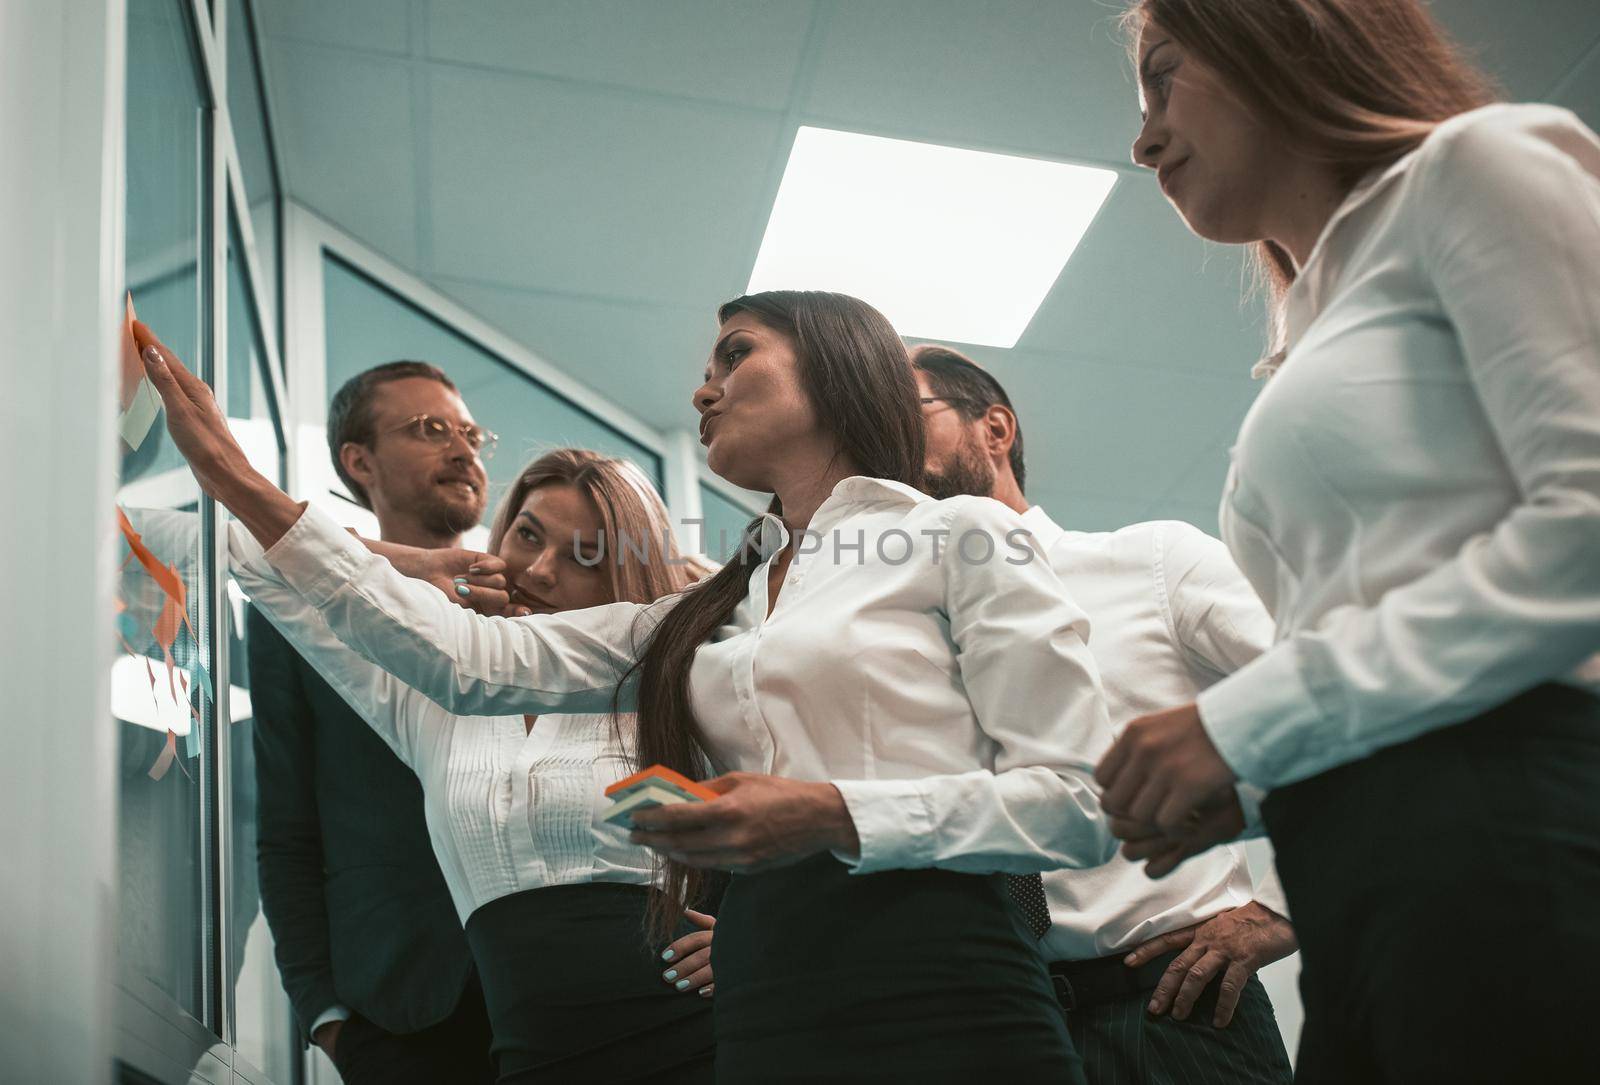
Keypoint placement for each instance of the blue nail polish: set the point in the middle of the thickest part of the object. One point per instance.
(667, 955)
(462, 589)
(670, 974)
(682, 985)
(460, 579)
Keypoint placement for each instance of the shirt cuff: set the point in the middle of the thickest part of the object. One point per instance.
(336, 1012)
(1263, 719)
(893, 822)
(316, 557)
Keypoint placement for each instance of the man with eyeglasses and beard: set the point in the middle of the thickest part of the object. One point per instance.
(1156, 978)
(367, 939)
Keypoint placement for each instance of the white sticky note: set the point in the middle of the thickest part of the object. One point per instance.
(135, 422)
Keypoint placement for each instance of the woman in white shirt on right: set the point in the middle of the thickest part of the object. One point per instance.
(1416, 497)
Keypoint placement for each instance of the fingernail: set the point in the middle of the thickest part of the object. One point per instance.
(474, 569)
(1152, 1006)
(670, 974)
(462, 589)
(705, 992)
(667, 955)
(459, 579)
(682, 985)
(1132, 958)
(153, 356)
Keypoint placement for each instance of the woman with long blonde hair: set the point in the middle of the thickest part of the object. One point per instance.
(1416, 497)
(554, 900)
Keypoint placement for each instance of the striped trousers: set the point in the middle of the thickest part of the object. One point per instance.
(1122, 1044)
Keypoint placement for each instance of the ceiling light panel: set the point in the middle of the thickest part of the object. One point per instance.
(948, 243)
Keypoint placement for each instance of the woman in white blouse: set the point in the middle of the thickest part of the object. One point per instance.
(553, 899)
(901, 700)
(1416, 497)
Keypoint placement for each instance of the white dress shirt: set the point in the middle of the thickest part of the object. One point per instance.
(952, 701)
(507, 809)
(1416, 492)
(1169, 614)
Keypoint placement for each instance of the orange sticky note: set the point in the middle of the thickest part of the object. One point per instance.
(660, 775)
(164, 762)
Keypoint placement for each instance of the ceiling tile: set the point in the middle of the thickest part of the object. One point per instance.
(1143, 290)
(379, 25)
(1527, 47)
(1039, 76)
(1113, 431)
(348, 141)
(1580, 90)
(645, 358)
(538, 184)
(742, 52)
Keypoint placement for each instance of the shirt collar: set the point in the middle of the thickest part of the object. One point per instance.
(768, 534)
(1374, 182)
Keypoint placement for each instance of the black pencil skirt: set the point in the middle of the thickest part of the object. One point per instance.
(1446, 894)
(575, 993)
(914, 975)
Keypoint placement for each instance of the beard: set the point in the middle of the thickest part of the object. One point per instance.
(445, 513)
(967, 471)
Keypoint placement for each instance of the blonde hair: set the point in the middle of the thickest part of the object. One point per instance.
(642, 560)
(1355, 84)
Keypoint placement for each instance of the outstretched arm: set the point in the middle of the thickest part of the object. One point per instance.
(469, 663)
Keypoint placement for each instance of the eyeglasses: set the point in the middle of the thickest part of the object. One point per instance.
(436, 431)
(954, 401)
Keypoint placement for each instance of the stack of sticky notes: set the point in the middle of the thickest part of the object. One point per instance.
(654, 786)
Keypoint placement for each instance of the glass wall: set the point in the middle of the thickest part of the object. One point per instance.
(264, 1034)
(725, 521)
(253, 137)
(158, 698)
(198, 997)
(368, 325)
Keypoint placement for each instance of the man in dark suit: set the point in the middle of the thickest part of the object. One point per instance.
(369, 945)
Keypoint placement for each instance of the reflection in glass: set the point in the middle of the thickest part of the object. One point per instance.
(251, 136)
(367, 326)
(160, 920)
(263, 1030)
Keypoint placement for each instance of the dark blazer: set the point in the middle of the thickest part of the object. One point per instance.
(359, 911)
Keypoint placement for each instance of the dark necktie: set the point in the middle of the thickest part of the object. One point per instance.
(1028, 891)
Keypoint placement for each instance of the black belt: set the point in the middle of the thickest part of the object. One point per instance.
(1080, 984)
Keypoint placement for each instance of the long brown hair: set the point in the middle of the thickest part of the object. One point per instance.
(632, 519)
(1352, 83)
(855, 372)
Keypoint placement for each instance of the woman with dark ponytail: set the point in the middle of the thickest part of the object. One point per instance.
(897, 697)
